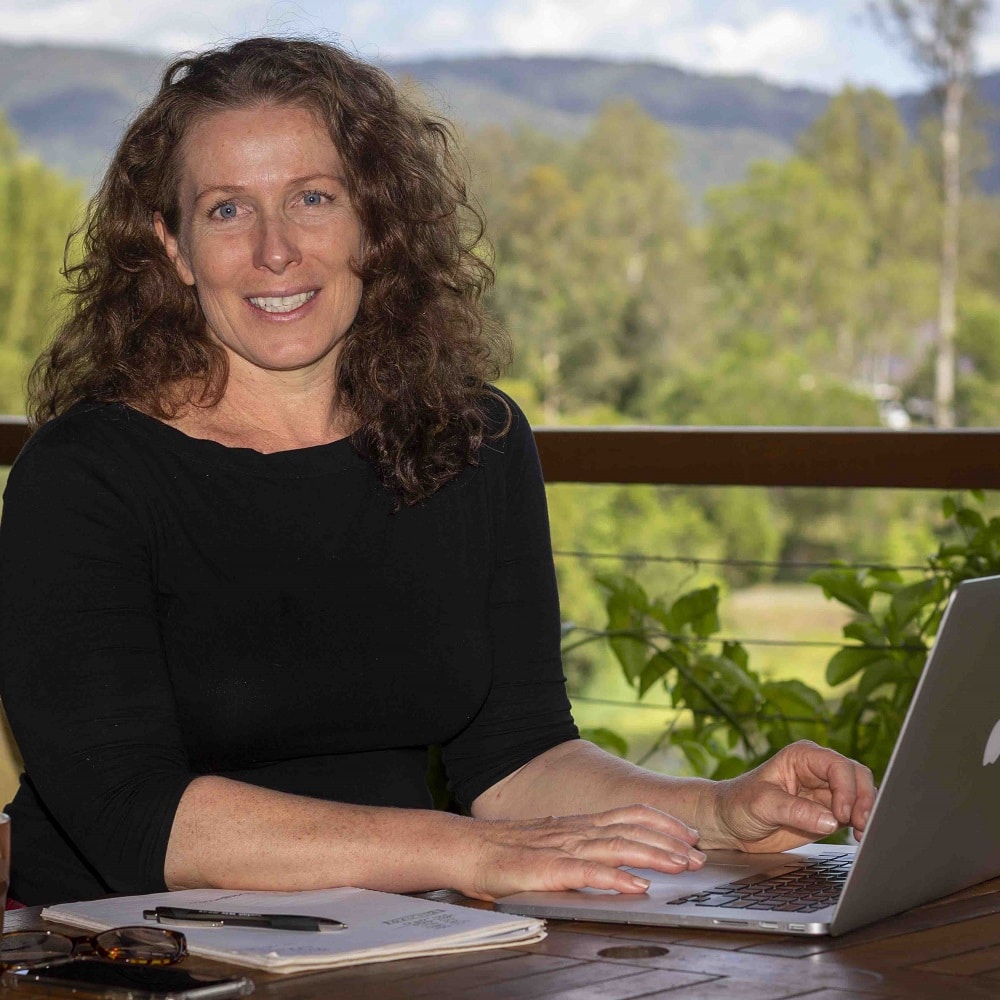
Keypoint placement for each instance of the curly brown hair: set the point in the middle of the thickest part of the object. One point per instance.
(414, 369)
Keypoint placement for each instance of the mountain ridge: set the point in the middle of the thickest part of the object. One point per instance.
(70, 104)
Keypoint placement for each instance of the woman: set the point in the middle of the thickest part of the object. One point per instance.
(275, 535)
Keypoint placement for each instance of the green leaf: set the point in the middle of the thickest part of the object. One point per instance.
(795, 699)
(625, 606)
(730, 673)
(658, 666)
(887, 671)
(631, 653)
(627, 590)
(866, 632)
(887, 578)
(607, 739)
(970, 519)
(952, 549)
(908, 602)
(847, 662)
(697, 608)
(737, 654)
(843, 586)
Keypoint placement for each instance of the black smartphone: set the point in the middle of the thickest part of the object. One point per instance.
(93, 977)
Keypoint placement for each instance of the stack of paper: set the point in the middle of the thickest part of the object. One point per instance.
(380, 926)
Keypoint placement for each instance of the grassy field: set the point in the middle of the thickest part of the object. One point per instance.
(783, 612)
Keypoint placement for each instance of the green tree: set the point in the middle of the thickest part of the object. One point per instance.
(940, 36)
(538, 273)
(788, 253)
(642, 296)
(862, 146)
(597, 276)
(38, 208)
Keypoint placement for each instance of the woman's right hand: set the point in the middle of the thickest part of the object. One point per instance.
(574, 852)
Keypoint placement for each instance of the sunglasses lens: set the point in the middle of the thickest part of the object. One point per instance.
(142, 945)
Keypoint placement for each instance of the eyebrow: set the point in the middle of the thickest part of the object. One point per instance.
(215, 189)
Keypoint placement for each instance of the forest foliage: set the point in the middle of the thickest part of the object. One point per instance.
(38, 209)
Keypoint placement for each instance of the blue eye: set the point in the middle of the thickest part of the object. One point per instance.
(227, 210)
(314, 198)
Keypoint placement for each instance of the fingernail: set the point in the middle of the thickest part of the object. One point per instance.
(640, 883)
(864, 817)
(828, 824)
(681, 859)
(698, 855)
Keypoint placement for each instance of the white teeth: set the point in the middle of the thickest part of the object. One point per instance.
(284, 303)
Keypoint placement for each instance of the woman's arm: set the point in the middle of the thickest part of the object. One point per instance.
(802, 793)
(567, 819)
(227, 834)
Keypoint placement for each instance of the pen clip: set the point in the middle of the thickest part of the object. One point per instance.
(165, 918)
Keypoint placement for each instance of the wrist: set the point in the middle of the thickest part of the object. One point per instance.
(453, 852)
(707, 818)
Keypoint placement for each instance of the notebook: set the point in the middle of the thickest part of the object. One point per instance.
(934, 828)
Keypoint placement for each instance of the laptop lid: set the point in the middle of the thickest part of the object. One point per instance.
(935, 827)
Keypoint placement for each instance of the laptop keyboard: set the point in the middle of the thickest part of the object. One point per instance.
(805, 887)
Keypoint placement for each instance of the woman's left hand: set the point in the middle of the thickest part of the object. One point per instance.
(802, 793)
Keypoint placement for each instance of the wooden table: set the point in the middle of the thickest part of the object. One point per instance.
(949, 949)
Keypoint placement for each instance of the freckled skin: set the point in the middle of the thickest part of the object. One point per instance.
(265, 212)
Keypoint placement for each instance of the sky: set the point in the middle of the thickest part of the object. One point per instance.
(817, 43)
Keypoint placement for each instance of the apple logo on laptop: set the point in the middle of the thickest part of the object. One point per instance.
(992, 752)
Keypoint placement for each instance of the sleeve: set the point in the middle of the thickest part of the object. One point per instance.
(82, 675)
(527, 711)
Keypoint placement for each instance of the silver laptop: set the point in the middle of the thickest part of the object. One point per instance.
(935, 827)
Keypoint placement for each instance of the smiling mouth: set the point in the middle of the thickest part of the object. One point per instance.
(281, 304)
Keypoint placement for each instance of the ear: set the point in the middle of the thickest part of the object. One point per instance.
(171, 245)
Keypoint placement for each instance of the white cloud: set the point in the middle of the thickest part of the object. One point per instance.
(442, 27)
(179, 24)
(988, 51)
(777, 45)
(583, 25)
(364, 17)
(737, 36)
(184, 23)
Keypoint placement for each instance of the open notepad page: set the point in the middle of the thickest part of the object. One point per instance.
(381, 926)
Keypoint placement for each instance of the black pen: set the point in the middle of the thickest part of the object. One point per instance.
(222, 918)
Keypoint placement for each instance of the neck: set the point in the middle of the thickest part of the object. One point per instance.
(270, 411)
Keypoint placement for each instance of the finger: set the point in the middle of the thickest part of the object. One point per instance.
(850, 783)
(842, 778)
(570, 873)
(853, 791)
(646, 835)
(623, 849)
(648, 816)
(778, 808)
(865, 801)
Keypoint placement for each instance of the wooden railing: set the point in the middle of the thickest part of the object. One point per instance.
(772, 456)
(743, 456)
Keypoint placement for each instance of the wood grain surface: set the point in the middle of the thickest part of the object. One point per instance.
(947, 949)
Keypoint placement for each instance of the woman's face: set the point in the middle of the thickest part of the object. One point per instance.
(267, 236)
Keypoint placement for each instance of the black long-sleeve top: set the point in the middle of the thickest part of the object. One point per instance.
(171, 607)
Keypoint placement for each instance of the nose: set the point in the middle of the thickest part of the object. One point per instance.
(276, 245)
